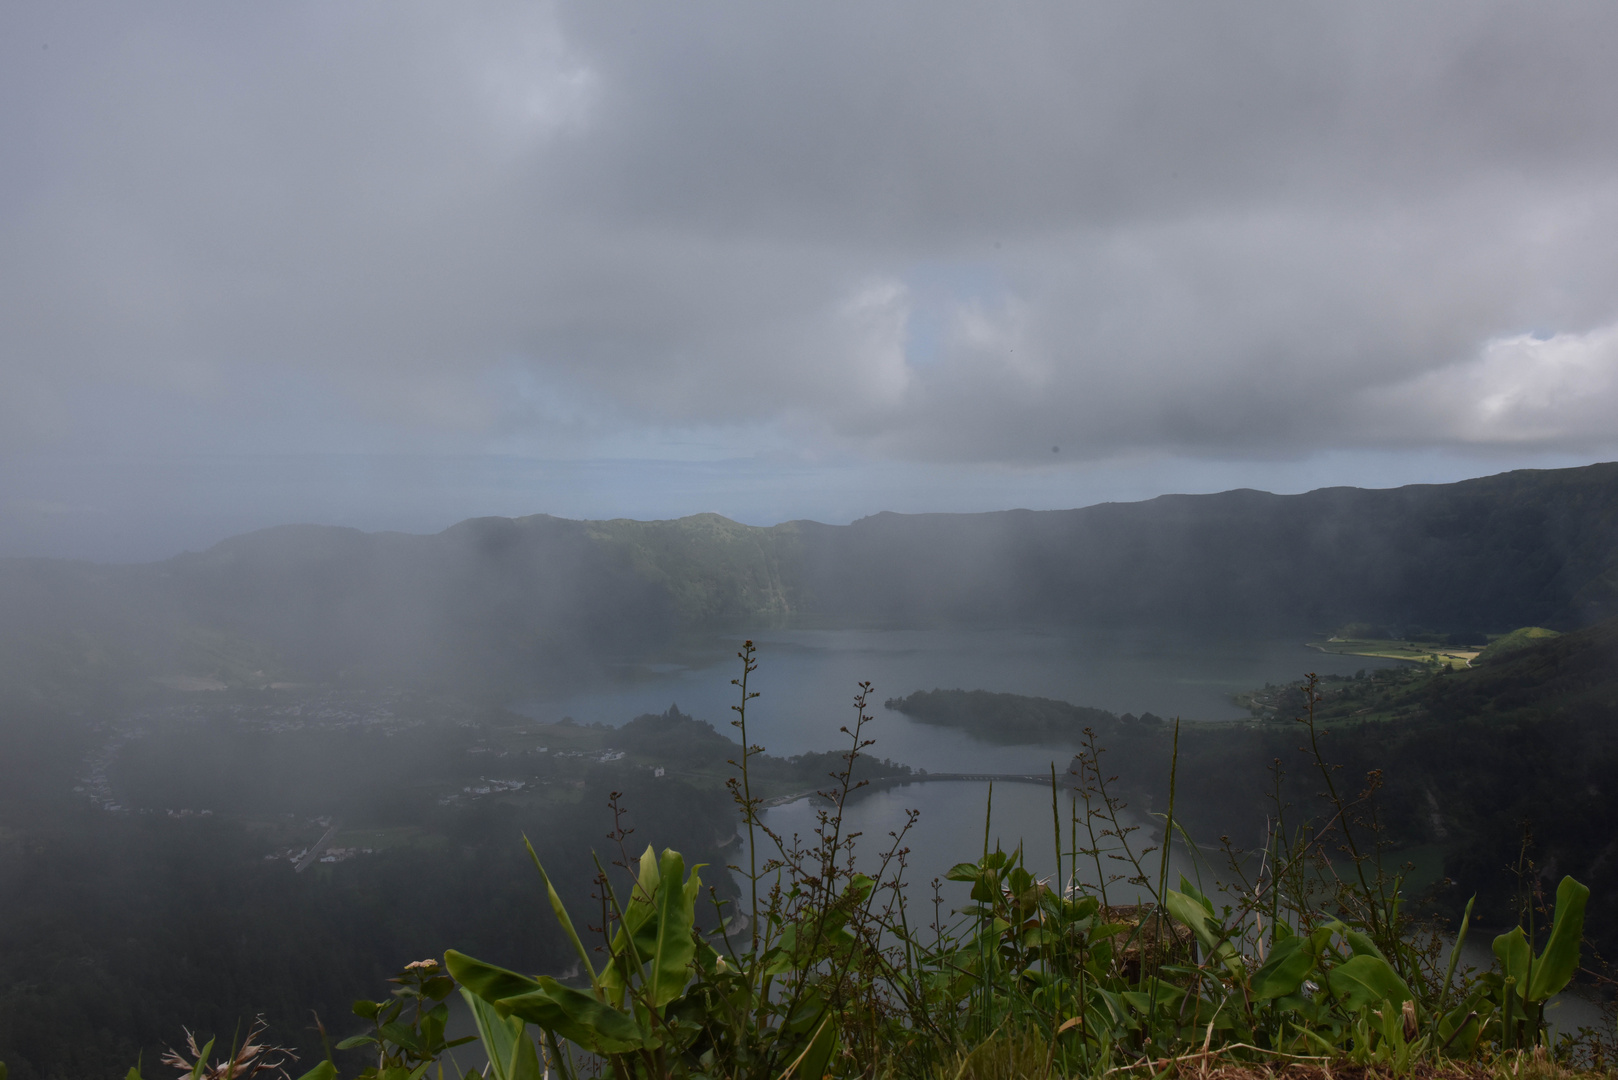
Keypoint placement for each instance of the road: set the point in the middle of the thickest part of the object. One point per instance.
(315, 849)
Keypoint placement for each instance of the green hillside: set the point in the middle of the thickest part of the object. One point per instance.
(1520, 638)
(512, 603)
(1466, 760)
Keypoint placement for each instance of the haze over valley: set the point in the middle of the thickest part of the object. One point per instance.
(423, 428)
(321, 716)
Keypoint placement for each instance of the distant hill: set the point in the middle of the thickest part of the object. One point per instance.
(1468, 761)
(1520, 638)
(1007, 718)
(520, 600)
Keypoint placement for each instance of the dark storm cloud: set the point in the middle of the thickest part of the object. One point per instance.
(906, 231)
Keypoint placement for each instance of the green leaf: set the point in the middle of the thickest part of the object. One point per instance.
(498, 1033)
(366, 1010)
(524, 1063)
(1195, 911)
(1138, 1000)
(812, 1064)
(324, 1071)
(511, 1054)
(1559, 962)
(1367, 980)
(1512, 950)
(1455, 953)
(492, 984)
(578, 1016)
(643, 897)
(560, 910)
(548, 1004)
(1191, 890)
(1290, 961)
(355, 1040)
(1187, 911)
(202, 1060)
(676, 945)
(402, 1035)
(1359, 943)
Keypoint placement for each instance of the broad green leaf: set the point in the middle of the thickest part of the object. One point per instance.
(578, 1016)
(1191, 890)
(324, 1071)
(548, 1004)
(1559, 962)
(1194, 911)
(1290, 961)
(1367, 980)
(492, 984)
(964, 871)
(355, 1040)
(1187, 911)
(676, 945)
(643, 898)
(1512, 950)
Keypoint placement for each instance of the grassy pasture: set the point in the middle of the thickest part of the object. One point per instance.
(1415, 652)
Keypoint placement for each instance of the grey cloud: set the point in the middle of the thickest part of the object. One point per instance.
(1208, 229)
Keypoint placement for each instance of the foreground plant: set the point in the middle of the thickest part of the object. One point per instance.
(1308, 959)
(826, 973)
(252, 1056)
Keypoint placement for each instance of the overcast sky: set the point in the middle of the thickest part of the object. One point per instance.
(392, 265)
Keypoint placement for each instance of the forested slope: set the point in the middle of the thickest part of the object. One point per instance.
(498, 601)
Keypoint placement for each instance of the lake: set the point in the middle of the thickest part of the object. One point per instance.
(806, 680)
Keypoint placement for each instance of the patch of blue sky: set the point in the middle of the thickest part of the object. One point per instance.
(938, 292)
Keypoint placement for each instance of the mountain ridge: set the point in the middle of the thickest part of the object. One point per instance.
(517, 600)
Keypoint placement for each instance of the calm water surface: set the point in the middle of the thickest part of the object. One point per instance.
(807, 679)
(952, 826)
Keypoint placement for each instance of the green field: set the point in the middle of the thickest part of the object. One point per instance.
(1415, 652)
